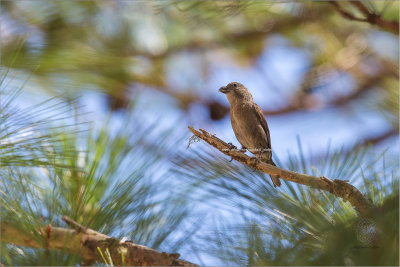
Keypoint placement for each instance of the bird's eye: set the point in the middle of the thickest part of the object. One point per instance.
(235, 85)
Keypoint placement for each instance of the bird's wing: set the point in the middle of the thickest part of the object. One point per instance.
(263, 122)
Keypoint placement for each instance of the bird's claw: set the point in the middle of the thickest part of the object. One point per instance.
(231, 146)
(255, 162)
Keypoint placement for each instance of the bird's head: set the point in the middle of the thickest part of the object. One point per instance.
(235, 92)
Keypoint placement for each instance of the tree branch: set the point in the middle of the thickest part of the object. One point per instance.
(377, 139)
(376, 19)
(344, 13)
(88, 242)
(337, 187)
(370, 17)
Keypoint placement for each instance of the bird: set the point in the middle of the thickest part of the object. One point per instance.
(249, 124)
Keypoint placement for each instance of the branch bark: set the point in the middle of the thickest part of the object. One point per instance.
(88, 242)
(339, 188)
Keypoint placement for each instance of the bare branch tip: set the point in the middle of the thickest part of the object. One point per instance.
(67, 220)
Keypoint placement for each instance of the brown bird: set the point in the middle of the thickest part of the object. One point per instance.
(249, 124)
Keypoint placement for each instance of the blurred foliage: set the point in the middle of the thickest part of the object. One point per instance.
(116, 181)
(26, 139)
(297, 225)
(108, 180)
(119, 46)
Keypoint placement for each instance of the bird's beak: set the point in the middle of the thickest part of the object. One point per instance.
(224, 89)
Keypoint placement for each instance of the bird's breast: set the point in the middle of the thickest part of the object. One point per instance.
(247, 127)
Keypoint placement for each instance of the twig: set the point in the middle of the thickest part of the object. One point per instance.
(74, 224)
(360, 6)
(89, 244)
(344, 13)
(80, 228)
(377, 139)
(370, 17)
(339, 188)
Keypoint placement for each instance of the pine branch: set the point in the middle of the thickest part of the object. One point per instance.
(339, 188)
(91, 245)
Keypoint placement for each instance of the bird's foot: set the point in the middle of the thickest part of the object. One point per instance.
(243, 149)
(231, 146)
(256, 161)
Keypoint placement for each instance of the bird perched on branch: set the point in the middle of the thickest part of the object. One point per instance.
(249, 124)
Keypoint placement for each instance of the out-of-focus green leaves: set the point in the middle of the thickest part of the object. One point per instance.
(117, 46)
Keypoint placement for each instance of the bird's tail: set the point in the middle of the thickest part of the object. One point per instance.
(274, 178)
